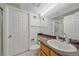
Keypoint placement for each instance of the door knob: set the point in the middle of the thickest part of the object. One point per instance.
(9, 36)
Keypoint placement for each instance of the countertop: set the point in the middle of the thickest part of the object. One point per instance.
(44, 38)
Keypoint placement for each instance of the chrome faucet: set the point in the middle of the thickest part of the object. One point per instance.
(58, 38)
(67, 40)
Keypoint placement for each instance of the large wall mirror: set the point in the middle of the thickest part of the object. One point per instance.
(68, 24)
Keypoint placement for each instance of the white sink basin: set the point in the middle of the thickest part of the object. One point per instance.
(62, 46)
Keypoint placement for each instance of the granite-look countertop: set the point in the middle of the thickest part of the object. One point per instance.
(61, 53)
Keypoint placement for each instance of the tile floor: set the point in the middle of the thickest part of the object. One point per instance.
(30, 53)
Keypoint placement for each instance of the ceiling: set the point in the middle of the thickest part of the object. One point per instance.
(47, 9)
(51, 10)
(39, 10)
(42, 9)
(17, 5)
(62, 9)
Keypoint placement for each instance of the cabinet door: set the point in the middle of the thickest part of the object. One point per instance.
(52, 53)
(45, 49)
(42, 53)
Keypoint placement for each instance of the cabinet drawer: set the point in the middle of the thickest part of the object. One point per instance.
(45, 49)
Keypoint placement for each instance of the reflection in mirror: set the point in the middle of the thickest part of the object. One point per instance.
(71, 25)
(68, 24)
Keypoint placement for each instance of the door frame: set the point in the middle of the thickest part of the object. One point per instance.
(1, 33)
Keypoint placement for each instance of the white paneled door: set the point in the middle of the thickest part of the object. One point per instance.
(16, 31)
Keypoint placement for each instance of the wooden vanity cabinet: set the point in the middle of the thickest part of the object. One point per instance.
(45, 51)
(52, 53)
(42, 54)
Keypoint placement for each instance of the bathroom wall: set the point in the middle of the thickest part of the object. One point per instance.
(49, 28)
(34, 27)
(38, 25)
(71, 25)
